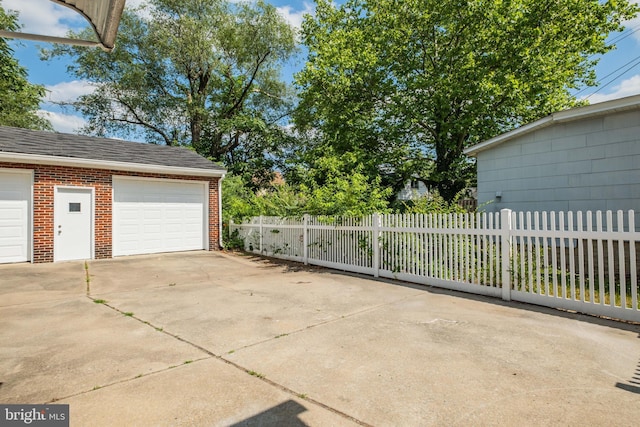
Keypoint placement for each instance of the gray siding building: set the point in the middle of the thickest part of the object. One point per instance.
(582, 159)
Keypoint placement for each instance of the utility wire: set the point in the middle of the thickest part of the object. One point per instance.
(626, 33)
(623, 36)
(608, 75)
(637, 62)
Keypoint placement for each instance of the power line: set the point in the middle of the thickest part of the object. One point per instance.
(628, 32)
(637, 62)
(611, 73)
(623, 36)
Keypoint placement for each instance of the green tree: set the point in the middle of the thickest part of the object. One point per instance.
(337, 184)
(414, 82)
(327, 185)
(200, 73)
(19, 99)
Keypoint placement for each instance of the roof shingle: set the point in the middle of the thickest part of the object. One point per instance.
(41, 143)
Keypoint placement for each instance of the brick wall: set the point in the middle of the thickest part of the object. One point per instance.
(47, 177)
(214, 215)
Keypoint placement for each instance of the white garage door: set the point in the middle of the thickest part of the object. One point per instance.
(154, 215)
(15, 201)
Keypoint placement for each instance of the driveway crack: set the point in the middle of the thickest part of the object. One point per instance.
(211, 354)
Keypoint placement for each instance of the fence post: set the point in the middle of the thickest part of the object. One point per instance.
(305, 239)
(375, 235)
(261, 242)
(505, 237)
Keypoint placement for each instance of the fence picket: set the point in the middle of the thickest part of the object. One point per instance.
(621, 284)
(554, 264)
(545, 254)
(537, 245)
(592, 260)
(572, 261)
(563, 263)
(530, 249)
(610, 260)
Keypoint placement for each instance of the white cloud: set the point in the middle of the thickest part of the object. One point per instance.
(295, 17)
(65, 92)
(65, 123)
(143, 12)
(633, 23)
(627, 87)
(44, 17)
(68, 91)
(135, 3)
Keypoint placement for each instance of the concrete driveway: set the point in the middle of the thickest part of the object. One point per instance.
(208, 339)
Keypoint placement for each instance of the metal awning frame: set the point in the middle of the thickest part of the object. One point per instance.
(105, 30)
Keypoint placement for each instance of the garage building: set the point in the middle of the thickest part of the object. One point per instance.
(68, 197)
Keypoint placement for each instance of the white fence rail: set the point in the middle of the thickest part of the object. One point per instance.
(587, 262)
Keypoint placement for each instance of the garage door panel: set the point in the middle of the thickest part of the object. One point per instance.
(192, 229)
(11, 250)
(11, 231)
(12, 213)
(7, 196)
(152, 212)
(174, 213)
(15, 199)
(169, 216)
(151, 229)
(174, 229)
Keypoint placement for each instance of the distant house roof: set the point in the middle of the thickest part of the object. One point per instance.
(594, 110)
(39, 147)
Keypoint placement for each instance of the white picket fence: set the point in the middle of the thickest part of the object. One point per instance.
(586, 262)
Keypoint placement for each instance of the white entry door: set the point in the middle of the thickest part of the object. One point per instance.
(73, 222)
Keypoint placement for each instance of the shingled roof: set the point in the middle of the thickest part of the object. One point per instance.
(23, 145)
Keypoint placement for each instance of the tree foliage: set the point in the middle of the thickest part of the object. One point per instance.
(332, 185)
(411, 83)
(19, 99)
(200, 73)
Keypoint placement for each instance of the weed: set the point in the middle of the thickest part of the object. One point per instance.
(233, 240)
(128, 313)
(87, 277)
(231, 351)
(172, 284)
(159, 329)
(281, 335)
(255, 374)
(302, 396)
(186, 362)
(100, 301)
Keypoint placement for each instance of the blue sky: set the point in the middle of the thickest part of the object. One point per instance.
(46, 17)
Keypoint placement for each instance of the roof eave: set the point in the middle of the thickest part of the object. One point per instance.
(522, 130)
(587, 111)
(108, 165)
